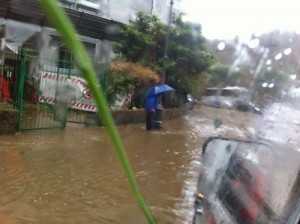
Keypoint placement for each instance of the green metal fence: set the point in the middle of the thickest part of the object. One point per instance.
(49, 94)
(33, 114)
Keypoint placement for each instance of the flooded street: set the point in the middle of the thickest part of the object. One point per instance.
(73, 175)
(62, 61)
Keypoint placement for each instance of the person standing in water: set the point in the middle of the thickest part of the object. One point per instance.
(150, 107)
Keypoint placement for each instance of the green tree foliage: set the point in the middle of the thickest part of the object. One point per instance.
(189, 58)
(144, 42)
(138, 40)
(220, 75)
(275, 83)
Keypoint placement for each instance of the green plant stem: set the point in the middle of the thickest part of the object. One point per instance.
(65, 27)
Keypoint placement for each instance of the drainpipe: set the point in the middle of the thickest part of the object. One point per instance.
(159, 109)
(163, 74)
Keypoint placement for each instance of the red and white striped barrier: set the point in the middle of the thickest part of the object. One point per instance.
(71, 90)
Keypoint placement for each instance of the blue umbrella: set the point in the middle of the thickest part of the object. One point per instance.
(158, 90)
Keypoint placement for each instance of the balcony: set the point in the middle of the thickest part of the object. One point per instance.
(90, 7)
(87, 24)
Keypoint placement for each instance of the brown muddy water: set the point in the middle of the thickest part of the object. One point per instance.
(73, 175)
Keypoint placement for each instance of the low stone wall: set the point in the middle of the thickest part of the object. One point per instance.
(138, 116)
(9, 117)
(8, 121)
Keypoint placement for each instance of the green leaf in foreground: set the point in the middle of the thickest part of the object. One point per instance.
(66, 29)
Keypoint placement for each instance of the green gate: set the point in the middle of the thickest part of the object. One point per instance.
(33, 114)
(49, 94)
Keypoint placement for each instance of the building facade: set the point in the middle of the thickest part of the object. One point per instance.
(96, 21)
(24, 24)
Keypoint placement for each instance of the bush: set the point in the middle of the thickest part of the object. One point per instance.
(127, 77)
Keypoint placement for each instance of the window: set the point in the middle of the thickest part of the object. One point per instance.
(65, 58)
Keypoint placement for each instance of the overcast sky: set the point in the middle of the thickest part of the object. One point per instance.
(228, 18)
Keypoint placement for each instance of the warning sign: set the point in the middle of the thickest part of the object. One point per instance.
(70, 90)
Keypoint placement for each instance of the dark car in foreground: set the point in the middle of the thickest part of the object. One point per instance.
(246, 182)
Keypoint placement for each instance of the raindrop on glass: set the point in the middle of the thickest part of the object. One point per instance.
(253, 43)
(221, 46)
(268, 62)
(278, 56)
(287, 51)
(271, 85)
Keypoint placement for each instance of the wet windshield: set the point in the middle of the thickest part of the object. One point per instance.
(172, 74)
(242, 181)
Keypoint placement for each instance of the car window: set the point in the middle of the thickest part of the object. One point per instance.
(253, 189)
(249, 180)
(242, 190)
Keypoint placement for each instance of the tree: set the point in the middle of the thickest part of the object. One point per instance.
(220, 75)
(144, 41)
(138, 40)
(127, 78)
(188, 58)
(270, 85)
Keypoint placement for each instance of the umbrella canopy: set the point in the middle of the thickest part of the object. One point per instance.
(158, 90)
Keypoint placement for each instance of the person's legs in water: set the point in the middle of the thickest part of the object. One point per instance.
(149, 120)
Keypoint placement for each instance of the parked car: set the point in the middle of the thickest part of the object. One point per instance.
(229, 98)
(246, 106)
(245, 182)
(218, 101)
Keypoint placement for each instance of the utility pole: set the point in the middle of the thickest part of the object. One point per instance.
(165, 59)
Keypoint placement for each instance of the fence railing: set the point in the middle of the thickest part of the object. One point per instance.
(46, 93)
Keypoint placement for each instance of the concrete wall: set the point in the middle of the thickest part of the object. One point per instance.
(139, 116)
(9, 118)
(123, 117)
(8, 121)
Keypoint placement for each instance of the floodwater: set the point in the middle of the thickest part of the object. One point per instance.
(73, 175)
